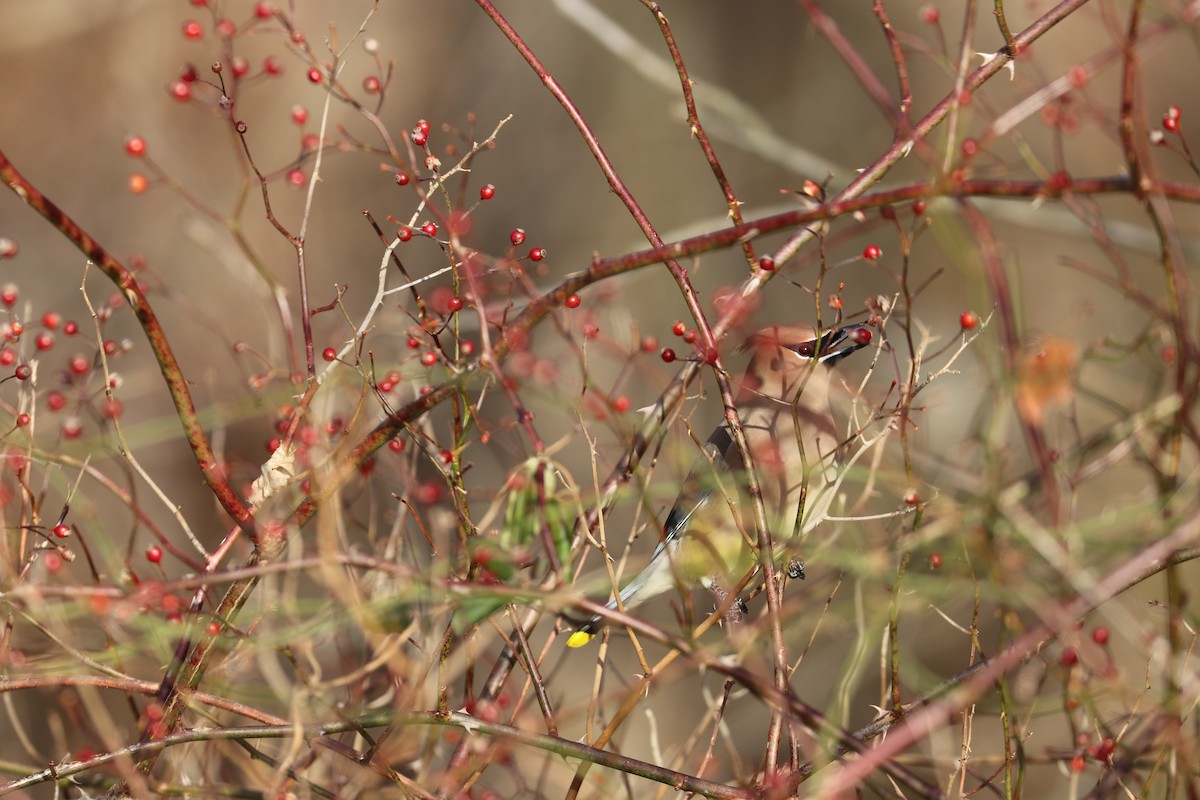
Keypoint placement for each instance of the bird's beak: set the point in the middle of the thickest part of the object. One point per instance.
(841, 342)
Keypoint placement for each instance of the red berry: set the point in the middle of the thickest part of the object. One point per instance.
(872, 252)
(678, 328)
(1069, 657)
(8, 248)
(111, 408)
(404, 233)
(1100, 636)
(23, 372)
(22, 420)
(56, 400)
(329, 354)
(78, 364)
(590, 331)
(968, 320)
(422, 126)
(62, 531)
(912, 498)
(419, 137)
(396, 445)
(766, 264)
(1170, 123)
(970, 147)
(71, 328)
(213, 628)
(455, 303)
(262, 10)
(414, 343)
(192, 30)
(8, 295)
(668, 355)
(430, 228)
(371, 84)
(447, 457)
(537, 254)
(648, 344)
(517, 237)
(573, 301)
(402, 179)
(918, 207)
(315, 75)
(135, 146)
(467, 348)
(690, 337)
(930, 15)
(154, 554)
(935, 560)
(138, 183)
(72, 428)
(428, 358)
(7, 357)
(296, 178)
(299, 115)
(271, 66)
(487, 192)
(43, 341)
(621, 404)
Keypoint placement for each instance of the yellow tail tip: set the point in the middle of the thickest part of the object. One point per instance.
(580, 638)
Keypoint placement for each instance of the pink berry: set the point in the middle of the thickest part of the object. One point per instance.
(299, 115)
(930, 15)
(296, 178)
(396, 445)
(192, 30)
(180, 90)
(371, 84)
(1100, 636)
(56, 400)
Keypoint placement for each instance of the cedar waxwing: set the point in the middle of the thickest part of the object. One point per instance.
(783, 403)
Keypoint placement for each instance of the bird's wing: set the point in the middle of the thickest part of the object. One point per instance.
(709, 470)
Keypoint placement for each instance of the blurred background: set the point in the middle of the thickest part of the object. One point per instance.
(781, 108)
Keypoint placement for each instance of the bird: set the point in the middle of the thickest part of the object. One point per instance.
(783, 403)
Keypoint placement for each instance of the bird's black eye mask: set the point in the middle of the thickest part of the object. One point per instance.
(834, 345)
